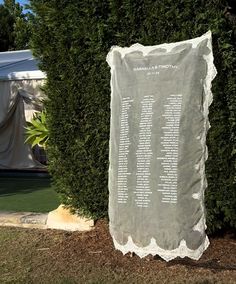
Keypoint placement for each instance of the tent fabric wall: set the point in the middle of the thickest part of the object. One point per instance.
(18, 100)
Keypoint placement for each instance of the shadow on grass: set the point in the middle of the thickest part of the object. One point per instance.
(19, 185)
(27, 194)
(213, 264)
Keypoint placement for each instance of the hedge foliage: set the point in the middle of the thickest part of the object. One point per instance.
(71, 39)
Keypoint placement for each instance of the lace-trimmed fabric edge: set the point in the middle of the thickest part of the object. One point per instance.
(181, 251)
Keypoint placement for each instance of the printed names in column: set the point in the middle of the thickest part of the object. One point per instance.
(124, 144)
(144, 153)
(169, 149)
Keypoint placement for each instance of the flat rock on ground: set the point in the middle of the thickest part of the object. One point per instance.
(60, 218)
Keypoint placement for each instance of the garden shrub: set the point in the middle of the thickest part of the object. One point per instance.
(71, 39)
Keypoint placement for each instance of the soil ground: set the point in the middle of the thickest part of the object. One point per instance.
(50, 256)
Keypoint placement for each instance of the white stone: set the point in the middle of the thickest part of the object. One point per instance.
(63, 219)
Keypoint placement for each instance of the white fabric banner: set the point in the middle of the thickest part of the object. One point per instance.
(160, 97)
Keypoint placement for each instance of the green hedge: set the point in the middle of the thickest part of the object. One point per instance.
(71, 39)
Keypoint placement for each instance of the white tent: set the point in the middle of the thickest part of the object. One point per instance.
(20, 93)
(19, 65)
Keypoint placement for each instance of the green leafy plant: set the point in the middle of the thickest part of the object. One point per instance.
(37, 131)
(71, 40)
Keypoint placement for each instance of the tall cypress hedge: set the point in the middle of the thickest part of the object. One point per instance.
(71, 38)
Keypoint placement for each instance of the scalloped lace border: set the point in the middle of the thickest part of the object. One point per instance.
(182, 250)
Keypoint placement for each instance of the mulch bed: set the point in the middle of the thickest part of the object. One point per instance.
(90, 257)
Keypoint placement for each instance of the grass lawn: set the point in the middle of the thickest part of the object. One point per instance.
(27, 194)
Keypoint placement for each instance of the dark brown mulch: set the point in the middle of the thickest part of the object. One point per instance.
(61, 257)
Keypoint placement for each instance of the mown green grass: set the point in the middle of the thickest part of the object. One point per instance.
(27, 194)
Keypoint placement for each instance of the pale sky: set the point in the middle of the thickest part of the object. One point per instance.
(22, 2)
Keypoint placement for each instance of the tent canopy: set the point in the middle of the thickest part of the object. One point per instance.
(19, 65)
(21, 92)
